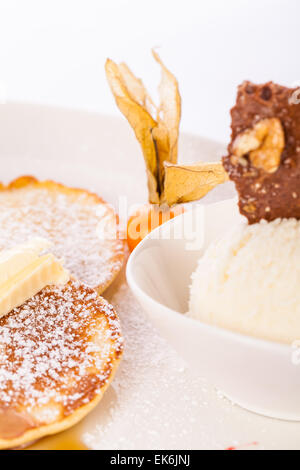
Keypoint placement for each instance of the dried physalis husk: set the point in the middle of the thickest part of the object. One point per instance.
(263, 144)
(168, 117)
(185, 183)
(128, 93)
(136, 88)
(157, 130)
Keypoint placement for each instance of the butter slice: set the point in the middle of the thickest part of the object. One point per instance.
(23, 273)
(14, 260)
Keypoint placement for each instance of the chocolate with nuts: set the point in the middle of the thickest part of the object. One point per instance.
(264, 154)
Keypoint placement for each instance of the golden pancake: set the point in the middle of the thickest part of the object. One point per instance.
(76, 221)
(58, 353)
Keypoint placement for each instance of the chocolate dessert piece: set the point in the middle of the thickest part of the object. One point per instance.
(264, 153)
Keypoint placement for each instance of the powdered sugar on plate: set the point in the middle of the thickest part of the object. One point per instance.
(154, 400)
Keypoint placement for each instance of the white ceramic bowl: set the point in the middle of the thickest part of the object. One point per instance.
(256, 374)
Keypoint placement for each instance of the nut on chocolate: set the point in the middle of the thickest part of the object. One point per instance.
(264, 153)
(263, 144)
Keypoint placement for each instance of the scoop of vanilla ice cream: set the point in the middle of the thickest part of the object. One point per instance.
(249, 281)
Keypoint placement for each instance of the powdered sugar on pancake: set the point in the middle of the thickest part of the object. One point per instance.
(74, 221)
(57, 351)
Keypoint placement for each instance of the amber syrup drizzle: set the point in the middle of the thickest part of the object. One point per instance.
(66, 440)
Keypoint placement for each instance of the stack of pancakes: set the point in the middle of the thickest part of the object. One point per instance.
(60, 349)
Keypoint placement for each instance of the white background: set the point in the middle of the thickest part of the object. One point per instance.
(54, 51)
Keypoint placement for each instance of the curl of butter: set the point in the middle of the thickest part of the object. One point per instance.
(24, 273)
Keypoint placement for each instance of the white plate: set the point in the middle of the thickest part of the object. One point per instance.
(155, 401)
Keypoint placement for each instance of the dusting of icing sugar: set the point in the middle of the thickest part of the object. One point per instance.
(57, 349)
(72, 223)
(155, 401)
